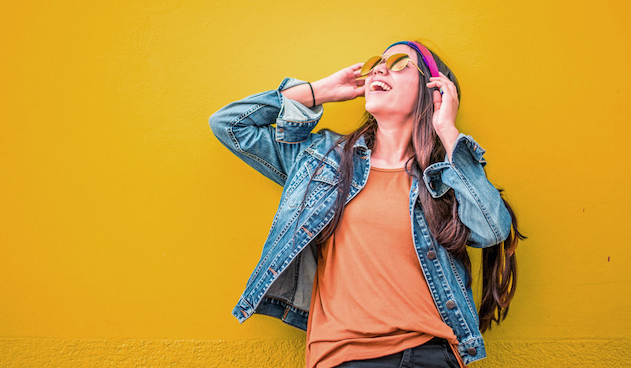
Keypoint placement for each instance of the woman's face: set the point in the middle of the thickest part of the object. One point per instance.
(401, 94)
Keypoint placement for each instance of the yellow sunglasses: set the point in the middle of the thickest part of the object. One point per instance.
(394, 62)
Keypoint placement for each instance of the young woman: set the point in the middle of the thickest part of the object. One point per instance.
(367, 251)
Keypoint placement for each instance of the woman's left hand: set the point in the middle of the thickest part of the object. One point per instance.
(445, 110)
(445, 105)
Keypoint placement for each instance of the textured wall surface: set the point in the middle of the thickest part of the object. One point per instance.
(127, 232)
(277, 353)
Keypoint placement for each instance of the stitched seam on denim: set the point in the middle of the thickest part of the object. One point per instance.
(447, 287)
(478, 202)
(318, 191)
(471, 144)
(358, 186)
(298, 122)
(295, 142)
(327, 159)
(462, 286)
(236, 144)
(476, 342)
(246, 302)
(296, 180)
(316, 194)
(324, 180)
(426, 274)
(296, 276)
(435, 170)
(321, 178)
(441, 277)
(281, 302)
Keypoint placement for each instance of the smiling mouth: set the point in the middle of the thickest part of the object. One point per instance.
(379, 86)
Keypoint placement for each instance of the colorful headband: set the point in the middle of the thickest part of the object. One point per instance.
(427, 56)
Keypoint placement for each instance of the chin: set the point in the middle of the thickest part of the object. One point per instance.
(376, 107)
(373, 106)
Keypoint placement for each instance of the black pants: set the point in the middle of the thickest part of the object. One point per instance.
(436, 353)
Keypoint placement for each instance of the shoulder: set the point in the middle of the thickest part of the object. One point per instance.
(324, 144)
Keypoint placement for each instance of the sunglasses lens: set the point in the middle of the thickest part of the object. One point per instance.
(397, 62)
(370, 64)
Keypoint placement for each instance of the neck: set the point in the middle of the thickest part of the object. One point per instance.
(392, 144)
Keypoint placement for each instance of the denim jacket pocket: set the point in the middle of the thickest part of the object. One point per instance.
(321, 179)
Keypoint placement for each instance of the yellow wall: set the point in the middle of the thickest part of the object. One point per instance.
(127, 232)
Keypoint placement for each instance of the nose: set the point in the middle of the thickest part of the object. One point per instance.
(381, 69)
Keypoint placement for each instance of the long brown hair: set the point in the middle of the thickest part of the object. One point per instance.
(499, 263)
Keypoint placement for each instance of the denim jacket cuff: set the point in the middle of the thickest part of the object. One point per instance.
(466, 151)
(295, 121)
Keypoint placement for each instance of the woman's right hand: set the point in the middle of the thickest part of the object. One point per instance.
(342, 85)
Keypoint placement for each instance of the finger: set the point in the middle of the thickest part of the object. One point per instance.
(448, 82)
(356, 66)
(440, 79)
(446, 86)
(437, 100)
(436, 84)
(451, 88)
(435, 87)
(359, 91)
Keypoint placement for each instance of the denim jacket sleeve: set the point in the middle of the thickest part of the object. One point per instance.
(245, 128)
(480, 206)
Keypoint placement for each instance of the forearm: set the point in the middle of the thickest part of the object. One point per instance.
(245, 128)
(448, 136)
(302, 94)
(481, 207)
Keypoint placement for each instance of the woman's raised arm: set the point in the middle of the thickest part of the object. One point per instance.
(245, 126)
(340, 86)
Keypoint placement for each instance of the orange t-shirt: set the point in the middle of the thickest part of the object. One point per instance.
(370, 298)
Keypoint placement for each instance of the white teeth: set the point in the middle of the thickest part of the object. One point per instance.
(381, 84)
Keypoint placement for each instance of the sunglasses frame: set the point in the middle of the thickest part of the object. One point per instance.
(386, 59)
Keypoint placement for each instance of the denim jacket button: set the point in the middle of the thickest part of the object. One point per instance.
(450, 304)
(280, 130)
(431, 255)
(472, 351)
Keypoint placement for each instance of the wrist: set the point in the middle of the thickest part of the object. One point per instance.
(445, 130)
(320, 92)
(448, 135)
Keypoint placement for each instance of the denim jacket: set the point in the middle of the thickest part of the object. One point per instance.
(273, 134)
